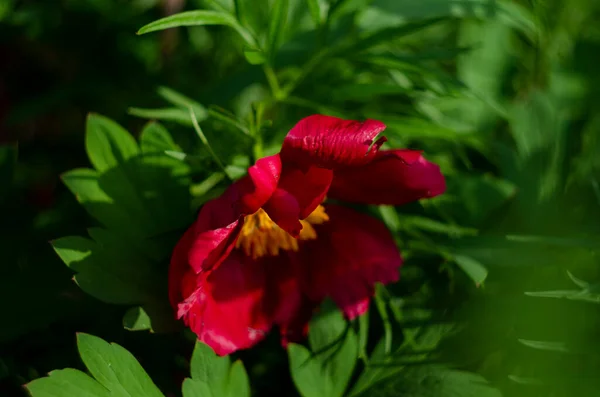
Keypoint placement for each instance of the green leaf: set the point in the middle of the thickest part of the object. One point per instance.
(209, 368)
(177, 115)
(474, 269)
(390, 217)
(397, 11)
(102, 275)
(107, 143)
(67, 383)
(196, 388)
(473, 199)
(84, 184)
(307, 373)
(136, 319)
(155, 138)
(229, 118)
(277, 23)
(182, 101)
(255, 56)
(116, 371)
(315, 11)
(327, 370)
(238, 384)
(431, 381)
(545, 345)
(115, 368)
(197, 18)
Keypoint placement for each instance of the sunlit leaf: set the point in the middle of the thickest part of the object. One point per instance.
(197, 18)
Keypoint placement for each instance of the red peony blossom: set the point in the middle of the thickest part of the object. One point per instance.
(268, 251)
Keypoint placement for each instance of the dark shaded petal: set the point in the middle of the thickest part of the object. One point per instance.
(352, 252)
(394, 177)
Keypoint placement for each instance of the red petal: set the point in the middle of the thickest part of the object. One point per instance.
(216, 231)
(394, 177)
(221, 219)
(309, 188)
(255, 189)
(330, 142)
(290, 309)
(179, 266)
(283, 209)
(352, 252)
(227, 310)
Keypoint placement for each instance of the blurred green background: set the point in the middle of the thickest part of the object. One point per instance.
(501, 274)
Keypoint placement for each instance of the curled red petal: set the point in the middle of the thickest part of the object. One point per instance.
(227, 309)
(330, 142)
(394, 177)
(283, 209)
(255, 189)
(308, 187)
(220, 220)
(353, 251)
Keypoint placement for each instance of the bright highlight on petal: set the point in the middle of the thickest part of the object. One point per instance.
(261, 236)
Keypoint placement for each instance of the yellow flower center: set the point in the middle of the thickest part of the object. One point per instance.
(261, 236)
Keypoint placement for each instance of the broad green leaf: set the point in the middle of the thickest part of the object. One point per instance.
(473, 268)
(197, 18)
(101, 275)
(107, 143)
(156, 139)
(136, 319)
(178, 115)
(196, 388)
(307, 373)
(115, 368)
(67, 383)
(277, 24)
(85, 185)
(238, 384)
(327, 370)
(209, 368)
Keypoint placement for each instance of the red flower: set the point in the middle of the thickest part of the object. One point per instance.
(267, 251)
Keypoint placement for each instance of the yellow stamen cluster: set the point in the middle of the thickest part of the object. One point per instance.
(261, 236)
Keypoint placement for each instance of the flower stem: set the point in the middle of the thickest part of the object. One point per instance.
(205, 142)
(278, 94)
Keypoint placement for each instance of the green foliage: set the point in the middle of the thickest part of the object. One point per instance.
(326, 368)
(502, 95)
(115, 372)
(215, 376)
